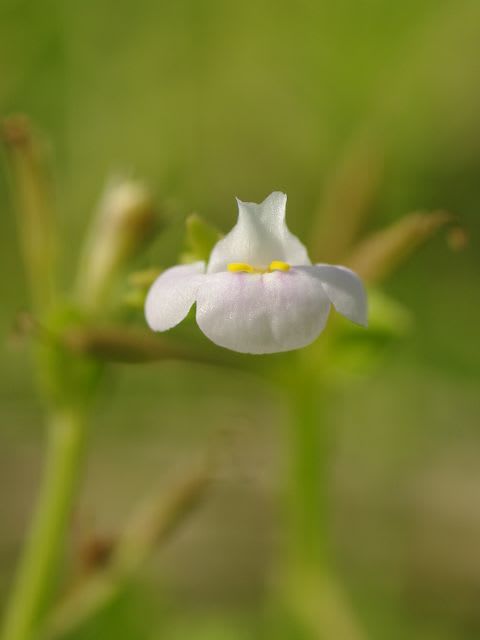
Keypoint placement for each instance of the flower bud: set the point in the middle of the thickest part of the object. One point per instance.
(30, 172)
(124, 220)
(380, 253)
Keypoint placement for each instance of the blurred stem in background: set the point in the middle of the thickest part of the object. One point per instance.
(67, 379)
(319, 608)
(65, 420)
(308, 491)
(46, 541)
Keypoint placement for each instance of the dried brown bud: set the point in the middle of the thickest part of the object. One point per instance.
(383, 251)
(30, 171)
(457, 238)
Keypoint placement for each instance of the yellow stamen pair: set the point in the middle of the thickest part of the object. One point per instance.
(243, 267)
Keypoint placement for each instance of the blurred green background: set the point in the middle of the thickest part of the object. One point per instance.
(205, 101)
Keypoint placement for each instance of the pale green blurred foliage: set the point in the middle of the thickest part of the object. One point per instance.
(200, 238)
(361, 112)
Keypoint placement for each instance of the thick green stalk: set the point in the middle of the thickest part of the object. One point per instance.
(313, 594)
(45, 545)
(308, 489)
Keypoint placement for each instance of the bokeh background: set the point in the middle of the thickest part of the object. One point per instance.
(205, 101)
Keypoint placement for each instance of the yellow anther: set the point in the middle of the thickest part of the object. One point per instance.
(236, 267)
(277, 265)
(243, 267)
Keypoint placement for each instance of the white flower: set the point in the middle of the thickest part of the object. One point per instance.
(259, 292)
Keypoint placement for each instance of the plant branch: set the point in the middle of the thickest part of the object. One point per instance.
(38, 569)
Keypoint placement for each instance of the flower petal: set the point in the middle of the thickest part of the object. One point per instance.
(344, 289)
(262, 313)
(172, 295)
(260, 236)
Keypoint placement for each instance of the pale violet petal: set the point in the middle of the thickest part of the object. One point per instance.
(262, 313)
(172, 295)
(344, 289)
(260, 236)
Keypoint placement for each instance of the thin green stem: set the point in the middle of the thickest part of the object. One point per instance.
(308, 490)
(40, 563)
(313, 593)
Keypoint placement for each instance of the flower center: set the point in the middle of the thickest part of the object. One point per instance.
(243, 267)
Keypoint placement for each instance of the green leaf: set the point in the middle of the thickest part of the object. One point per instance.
(356, 350)
(200, 238)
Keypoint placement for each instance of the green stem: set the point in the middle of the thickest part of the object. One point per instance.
(313, 594)
(307, 497)
(40, 563)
